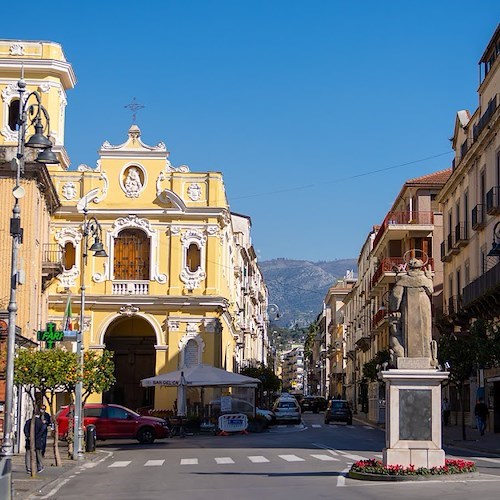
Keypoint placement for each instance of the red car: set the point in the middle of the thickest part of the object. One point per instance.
(116, 422)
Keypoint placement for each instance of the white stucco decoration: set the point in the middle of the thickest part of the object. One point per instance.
(168, 197)
(104, 178)
(192, 279)
(173, 325)
(69, 190)
(68, 234)
(16, 49)
(194, 191)
(9, 92)
(68, 277)
(131, 182)
(183, 343)
(129, 310)
(44, 87)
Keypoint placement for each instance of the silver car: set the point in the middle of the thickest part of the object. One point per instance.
(287, 409)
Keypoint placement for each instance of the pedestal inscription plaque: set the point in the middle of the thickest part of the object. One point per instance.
(415, 414)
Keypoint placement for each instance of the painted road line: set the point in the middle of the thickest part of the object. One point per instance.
(486, 459)
(154, 463)
(258, 459)
(291, 458)
(352, 457)
(341, 477)
(325, 457)
(189, 461)
(315, 426)
(224, 460)
(122, 463)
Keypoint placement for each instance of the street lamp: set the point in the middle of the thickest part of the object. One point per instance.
(29, 115)
(91, 228)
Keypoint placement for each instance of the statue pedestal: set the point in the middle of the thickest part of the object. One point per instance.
(413, 416)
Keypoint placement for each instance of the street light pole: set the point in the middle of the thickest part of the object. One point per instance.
(46, 156)
(90, 228)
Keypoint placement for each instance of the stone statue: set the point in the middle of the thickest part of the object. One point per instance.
(133, 184)
(411, 321)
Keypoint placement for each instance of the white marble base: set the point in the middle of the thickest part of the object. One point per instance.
(413, 417)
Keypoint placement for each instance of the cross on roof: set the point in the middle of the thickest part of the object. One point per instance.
(134, 106)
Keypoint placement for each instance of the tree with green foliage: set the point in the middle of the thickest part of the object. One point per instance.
(51, 371)
(371, 368)
(463, 353)
(270, 381)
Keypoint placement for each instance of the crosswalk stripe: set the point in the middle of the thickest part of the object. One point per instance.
(224, 460)
(494, 460)
(367, 427)
(291, 458)
(123, 463)
(325, 457)
(189, 461)
(352, 457)
(315, 426)
(154, 463)
(258, 459)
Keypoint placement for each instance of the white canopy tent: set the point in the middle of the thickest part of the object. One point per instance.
(198, 376)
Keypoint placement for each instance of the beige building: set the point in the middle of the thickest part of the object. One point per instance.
(413, 227)
(471, 206)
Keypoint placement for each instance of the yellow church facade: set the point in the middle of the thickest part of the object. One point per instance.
(179, 283)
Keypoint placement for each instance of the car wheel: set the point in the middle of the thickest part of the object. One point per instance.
(146, 435)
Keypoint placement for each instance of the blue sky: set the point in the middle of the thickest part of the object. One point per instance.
(294, 101)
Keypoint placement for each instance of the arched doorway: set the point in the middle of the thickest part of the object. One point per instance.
(132, 339)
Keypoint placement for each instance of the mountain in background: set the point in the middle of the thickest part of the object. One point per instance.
(298, 287)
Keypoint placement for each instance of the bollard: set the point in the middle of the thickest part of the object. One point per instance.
(5, 478)
(90, 438)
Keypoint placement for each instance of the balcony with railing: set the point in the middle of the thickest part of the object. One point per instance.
(461, 237)
(379, 318)
(404, 221)
(130, 287)
(493, 201)
(483, 294)
(478, 218)
(52, 261)
(445, 252)
(389, 267)
(485, 118)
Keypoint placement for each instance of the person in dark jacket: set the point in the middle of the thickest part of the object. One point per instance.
(481, 413)
(39, 440)
(47, 422)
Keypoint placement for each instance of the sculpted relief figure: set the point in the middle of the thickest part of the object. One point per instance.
(133, 184)
(411, 323)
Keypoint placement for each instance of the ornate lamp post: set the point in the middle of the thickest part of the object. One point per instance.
(29, 115)
(91, 228)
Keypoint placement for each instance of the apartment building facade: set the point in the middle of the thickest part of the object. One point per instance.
(470, 202)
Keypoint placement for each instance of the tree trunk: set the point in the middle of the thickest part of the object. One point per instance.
(462, 407)
(33, 465)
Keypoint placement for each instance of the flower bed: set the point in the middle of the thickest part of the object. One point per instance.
(373, 469)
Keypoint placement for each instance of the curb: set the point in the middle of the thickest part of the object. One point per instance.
(364, 476)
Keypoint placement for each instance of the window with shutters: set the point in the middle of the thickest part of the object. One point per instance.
(131, 255)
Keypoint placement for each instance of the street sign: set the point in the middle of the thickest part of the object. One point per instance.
(50, 336)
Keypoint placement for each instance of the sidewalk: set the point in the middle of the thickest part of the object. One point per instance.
(25, 486)
(452, 437)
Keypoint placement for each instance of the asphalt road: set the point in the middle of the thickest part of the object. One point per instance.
(309, 462)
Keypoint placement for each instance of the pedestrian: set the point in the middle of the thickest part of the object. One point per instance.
(39, 432)
(481, 413)
(47, 422)
(446, 411)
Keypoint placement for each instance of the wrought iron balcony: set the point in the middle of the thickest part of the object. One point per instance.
(485, 118)
(493, 201)
(478, 218)
(482, 296)
(52, 262)
(461, 236)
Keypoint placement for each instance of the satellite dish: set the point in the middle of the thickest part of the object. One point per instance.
(18, 192)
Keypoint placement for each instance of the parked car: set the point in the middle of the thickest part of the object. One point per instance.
(267, 414)
(116, 422)
(321, 402)
(287, 409)
(309, 403)
(338, 410)
(237, 406)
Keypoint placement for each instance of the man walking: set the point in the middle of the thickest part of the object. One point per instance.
(446, 411)
(481, 413)
(38, 433)
(47, 422)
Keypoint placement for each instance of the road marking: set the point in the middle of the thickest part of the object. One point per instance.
(291, 458)
(341, 478)
(493, 460)
(325, 457)
(258, 459)
(224, 460)
(378, 455)
(367, 427)
(352, 457)
(154, 463)
(120, 463)
(315, 426)
(189, 461)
